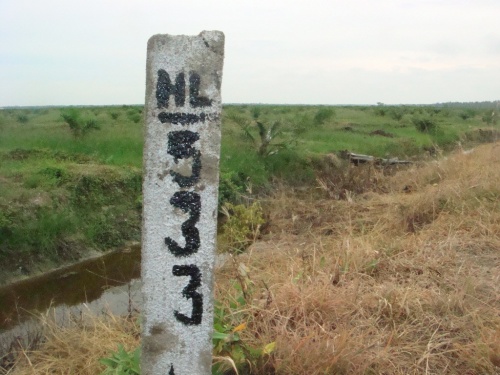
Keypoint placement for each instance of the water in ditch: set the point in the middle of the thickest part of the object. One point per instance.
(108, 283)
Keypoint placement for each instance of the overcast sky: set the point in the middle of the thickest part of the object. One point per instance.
(92, 52)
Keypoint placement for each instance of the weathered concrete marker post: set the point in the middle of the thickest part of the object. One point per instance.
(181, 161)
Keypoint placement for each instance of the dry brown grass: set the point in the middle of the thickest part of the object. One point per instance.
(399, 280)
(77, 347)
(404, 282)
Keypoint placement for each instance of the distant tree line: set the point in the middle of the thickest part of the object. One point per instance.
(476, 105)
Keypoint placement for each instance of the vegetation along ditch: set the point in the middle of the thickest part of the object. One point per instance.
(70, 188)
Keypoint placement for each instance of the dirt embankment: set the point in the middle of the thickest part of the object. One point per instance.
(57, 208)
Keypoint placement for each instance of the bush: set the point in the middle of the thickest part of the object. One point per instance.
(323, 115)
(466, 114)
(302, 123)
(380, 111)
(78, 126)
(397, 113)
(424, 123)
(134, 116)
(22, 118)
(489, 117)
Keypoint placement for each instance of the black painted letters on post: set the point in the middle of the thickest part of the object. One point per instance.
(180, 147)
(180, 118)
(187, 201)
(190, 293)
(194, 92)
(165, 88)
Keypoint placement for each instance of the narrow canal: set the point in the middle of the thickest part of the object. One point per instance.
(108, 283)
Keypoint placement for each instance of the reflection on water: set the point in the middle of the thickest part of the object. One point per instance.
(109, 283)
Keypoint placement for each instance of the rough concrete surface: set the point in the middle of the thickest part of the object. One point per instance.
(181, 165)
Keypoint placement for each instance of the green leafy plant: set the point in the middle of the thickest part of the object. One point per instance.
(230, 350)
(489, 117)
(136, 117)
(467, 114)
(22, 118)
(267, 133)
(79, 126)
(122, 362)
(323, 115)
(227, 345)
(134, 114)
(242, 226)
(231, 187)
(380, 109)
(424, 123)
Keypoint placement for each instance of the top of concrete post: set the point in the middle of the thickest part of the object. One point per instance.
(206, 51)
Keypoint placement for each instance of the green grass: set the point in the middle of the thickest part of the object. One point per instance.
(64, 192)
(118, 142)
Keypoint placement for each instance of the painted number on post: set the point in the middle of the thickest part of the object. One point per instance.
(180, 146)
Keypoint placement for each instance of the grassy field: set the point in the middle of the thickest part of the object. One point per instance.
(350, 270)
(398, 278)
(70, 178)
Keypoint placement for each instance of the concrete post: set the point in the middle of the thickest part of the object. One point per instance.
(181, 177)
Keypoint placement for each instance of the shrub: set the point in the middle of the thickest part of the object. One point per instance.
(323, 115)
(489, 117)
(380, 111)
(265, 140)
(22, 118)
(302, 123)
(134, 116)
(397, 113)
(424, 123)
(78, 126)
(256, 111)
(466, 114)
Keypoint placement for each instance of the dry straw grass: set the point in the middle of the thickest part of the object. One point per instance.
(399, 280)
(77, 347)
(402, 279)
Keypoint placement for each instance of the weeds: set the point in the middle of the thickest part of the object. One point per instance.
(241, 227)
(122, 362)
